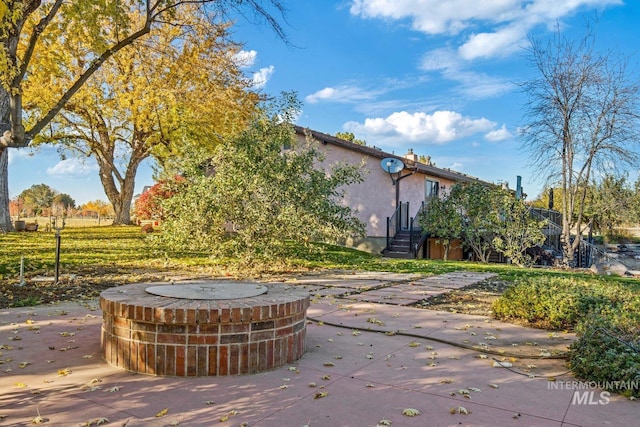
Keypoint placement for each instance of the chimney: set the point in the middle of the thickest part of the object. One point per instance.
(411, 155)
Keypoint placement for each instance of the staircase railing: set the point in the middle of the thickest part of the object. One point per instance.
(393, 224)
(415, 226)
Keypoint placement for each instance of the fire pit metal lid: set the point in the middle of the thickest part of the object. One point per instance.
(209, 290)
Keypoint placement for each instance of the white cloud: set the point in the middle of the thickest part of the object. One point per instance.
(245, 58)
(261, 77)
(72, 168)
(438, 128)
(502, 42)
(436, 16)
(505, 22)
(472, 84)
(343, 94)
(498, 134)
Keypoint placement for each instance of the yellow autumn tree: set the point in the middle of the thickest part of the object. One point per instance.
(178, 86)
(79, 37)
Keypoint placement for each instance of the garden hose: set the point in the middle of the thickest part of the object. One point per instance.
(563, 356)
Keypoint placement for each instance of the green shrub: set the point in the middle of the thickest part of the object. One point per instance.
(605, 315)
(561, 302)
(608, 351)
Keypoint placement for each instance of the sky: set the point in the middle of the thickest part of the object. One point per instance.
(440, 77)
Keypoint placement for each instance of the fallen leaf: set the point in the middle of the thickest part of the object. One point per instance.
(375, 321)
(64, 372)
(329, 364)
(24, 364)
(20, 385)
(497, 364)
(385, 422)
(209, 402)
(414, 344)
(320, 394)
(494, 386)
(113, 389)
(446, 381)
(356, 333)
(39, 420)
(459, 410)
(313, 385)
(162, 413)
(410, 412)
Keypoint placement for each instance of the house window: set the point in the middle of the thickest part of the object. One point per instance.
(431, 189)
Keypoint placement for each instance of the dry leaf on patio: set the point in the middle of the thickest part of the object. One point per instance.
(39, 419)
(329, 364)
(64, 372)
(494, 386)
(446, 381)
(24, 364)
(226, 417)
(410, 412)
(321, 394)
(356, 333)
(375, 321)
(162, 413)
(497, 364)
(21, 385)
(459, 410)
(384, 422)
(414, 344)
(114, 389)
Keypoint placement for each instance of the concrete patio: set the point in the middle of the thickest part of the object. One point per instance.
(370, 358)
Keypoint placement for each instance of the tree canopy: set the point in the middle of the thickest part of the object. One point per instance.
(181, 86)
(98, 32)
(582, 122)
(254, 195)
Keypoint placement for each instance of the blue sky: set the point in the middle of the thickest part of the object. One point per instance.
(436, 76)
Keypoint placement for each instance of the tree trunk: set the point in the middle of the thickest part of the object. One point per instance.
(5, 217)
(121, 197)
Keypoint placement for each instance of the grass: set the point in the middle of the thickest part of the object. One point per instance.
(122, 254)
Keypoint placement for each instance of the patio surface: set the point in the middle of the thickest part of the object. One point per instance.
(369, 358)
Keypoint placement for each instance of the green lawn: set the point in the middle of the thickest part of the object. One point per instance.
(94, 258)
(127, 249)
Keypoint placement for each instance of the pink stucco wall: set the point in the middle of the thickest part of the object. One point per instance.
(374, 199)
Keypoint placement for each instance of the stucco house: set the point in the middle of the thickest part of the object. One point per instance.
(387, 202)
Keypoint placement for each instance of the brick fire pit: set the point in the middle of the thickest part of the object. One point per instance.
(203, 328)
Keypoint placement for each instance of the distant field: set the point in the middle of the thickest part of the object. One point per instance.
(69, 222)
